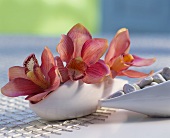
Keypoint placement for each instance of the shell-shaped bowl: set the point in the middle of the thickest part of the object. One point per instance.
(153, 101)
(75, 99)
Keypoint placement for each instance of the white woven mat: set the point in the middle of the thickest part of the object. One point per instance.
(17, 120)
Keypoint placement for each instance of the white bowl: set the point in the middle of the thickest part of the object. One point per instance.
(153, 101)
(75, 99)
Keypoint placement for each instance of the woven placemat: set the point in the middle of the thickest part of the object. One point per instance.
(17, 120)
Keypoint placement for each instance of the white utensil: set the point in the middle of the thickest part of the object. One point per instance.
(153, 100)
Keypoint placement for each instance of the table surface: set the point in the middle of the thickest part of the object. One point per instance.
(15, 113)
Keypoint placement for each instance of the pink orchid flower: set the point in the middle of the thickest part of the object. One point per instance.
(82, 55)
(119, 59)
(33, 80)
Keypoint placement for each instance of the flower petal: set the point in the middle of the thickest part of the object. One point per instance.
(138, 61)
(16, 72)
(65, 48)
(96, 73)
(38, 97)
(93, 49)
(54, 78)
(79, 35)
(120, 44)
(20, 87)
(113, 74)
(76, 69)
(54, 84)
(47, 62)
(134, 74)
(62, 71)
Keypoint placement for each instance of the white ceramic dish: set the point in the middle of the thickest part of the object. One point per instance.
(75, 99)
(153, 101)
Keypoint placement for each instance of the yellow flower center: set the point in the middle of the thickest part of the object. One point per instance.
(120, 62)
(128, 58)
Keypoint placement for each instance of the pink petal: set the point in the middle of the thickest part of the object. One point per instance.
(16, 72)
(138, 61)
(35, 98)
(20, 87)
(120, 44)
(76, 69)
(113, 73)
(65, 48)
(79, 35)
(93, 49)
(38, 97)
(47, 62)
(54, 84)
(134, 74)
(96, 73)
(62, 71)
(54, 79)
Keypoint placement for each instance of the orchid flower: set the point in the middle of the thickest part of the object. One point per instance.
(82, 55)
(33, 80)
(119, 59)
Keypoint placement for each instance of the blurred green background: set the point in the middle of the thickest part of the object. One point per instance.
(55, 17)
(47, 17)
